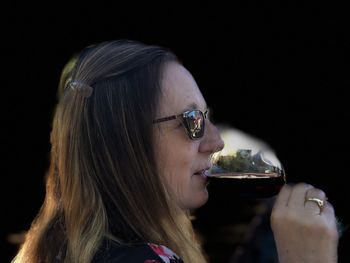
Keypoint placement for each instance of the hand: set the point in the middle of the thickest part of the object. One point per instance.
(304, 231)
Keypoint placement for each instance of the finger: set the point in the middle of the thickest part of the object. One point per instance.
(280, 206)
(333, 227)
(328, 211)
(283, 197)
(315, 201)
(329, 215)
(297, 196)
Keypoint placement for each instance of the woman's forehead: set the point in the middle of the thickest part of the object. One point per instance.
(179, 90)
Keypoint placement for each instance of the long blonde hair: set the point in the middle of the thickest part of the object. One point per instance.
(102, 182)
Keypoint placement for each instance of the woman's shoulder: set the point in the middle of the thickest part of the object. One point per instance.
(141, 253)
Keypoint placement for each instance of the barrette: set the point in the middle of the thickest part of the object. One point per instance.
(82, 88)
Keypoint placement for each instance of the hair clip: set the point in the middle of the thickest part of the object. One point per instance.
(82, 88)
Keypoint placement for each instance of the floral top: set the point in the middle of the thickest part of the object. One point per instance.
(143, 253)
(166, 255)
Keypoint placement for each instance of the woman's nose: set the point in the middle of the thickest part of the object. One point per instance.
(212, 141)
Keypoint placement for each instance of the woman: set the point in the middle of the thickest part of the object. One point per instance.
(131, 147)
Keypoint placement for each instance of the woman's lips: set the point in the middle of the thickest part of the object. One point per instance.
(204, 173)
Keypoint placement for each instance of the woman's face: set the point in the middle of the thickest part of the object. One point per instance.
(179, 159)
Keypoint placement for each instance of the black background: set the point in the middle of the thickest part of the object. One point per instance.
(278, 71)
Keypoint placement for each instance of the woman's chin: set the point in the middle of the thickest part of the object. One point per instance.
(198, 201)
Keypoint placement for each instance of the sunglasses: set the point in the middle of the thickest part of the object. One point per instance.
(193, 121)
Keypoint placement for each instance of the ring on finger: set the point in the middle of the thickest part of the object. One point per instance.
(318, 201)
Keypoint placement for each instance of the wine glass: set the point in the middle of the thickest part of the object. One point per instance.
(246, 167)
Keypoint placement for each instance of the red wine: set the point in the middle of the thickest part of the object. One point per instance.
(247, 185)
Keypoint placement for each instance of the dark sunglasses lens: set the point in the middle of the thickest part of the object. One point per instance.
(194, 121)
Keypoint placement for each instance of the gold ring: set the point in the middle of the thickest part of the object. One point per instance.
(318, 201)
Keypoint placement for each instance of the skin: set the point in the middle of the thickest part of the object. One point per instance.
(302, 232)
(179, 156)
